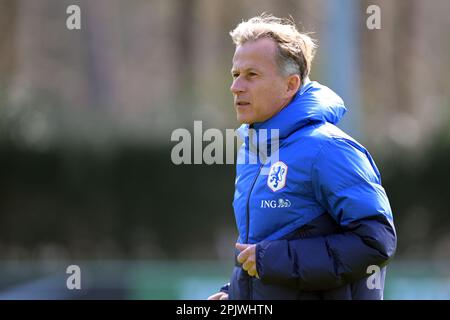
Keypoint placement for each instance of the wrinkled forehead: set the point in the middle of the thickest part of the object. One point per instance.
(255, 54)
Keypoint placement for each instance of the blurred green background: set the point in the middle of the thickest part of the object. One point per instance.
(86, 117)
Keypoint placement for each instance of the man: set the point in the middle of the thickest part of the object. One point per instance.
(330, 226)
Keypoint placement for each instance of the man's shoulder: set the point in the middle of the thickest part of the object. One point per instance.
(321, 133)
(325, 139)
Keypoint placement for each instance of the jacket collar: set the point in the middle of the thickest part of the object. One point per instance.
(312, 103)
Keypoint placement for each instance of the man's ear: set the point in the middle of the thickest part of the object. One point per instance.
(293, 84)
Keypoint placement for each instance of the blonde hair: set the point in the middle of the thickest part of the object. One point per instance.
(295, 50)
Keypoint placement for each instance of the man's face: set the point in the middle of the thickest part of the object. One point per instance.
(258, 88)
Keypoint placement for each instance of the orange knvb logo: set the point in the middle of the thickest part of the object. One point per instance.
(277, 176)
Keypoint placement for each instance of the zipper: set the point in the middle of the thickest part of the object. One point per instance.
(250, 287)
(248, 202)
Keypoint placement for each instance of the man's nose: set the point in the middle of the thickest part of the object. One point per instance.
(237, 86)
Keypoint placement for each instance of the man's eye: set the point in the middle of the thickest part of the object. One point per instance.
(252, 74)
(235, 75)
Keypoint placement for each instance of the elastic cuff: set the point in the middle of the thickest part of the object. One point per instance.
(225, 288)
(259, 254)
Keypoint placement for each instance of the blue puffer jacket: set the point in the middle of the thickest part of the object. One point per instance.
(316, 208)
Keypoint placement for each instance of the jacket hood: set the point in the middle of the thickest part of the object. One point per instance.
(312, 103)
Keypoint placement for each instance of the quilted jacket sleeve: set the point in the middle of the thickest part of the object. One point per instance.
(347, 184)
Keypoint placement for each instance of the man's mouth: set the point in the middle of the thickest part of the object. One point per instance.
(242, 103)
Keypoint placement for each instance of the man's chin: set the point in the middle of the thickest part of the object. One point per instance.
(243, 120)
